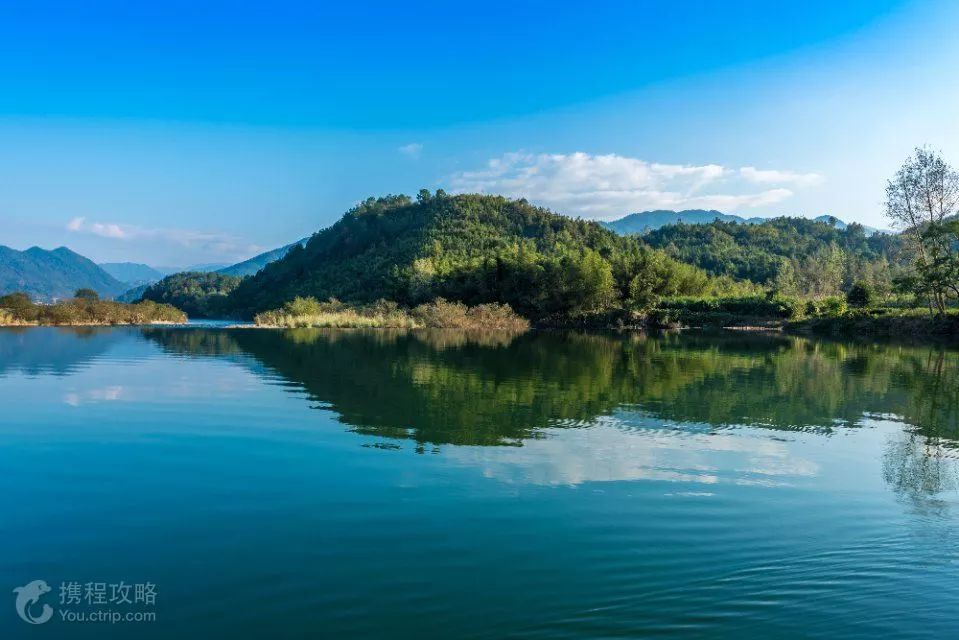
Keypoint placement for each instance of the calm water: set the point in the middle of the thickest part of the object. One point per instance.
(439, 485)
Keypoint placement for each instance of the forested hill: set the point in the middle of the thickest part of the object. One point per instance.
(473, 249)
(792, 255)
(47, 275)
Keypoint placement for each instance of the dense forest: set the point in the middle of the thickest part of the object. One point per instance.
(793, 256)
(474, 249)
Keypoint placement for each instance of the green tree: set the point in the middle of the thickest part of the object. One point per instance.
(922, 199)
(86, 294)
(860, 295)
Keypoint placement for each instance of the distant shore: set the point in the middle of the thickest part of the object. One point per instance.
(86, 310)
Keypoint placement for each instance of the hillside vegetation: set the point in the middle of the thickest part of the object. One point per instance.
(793, 256)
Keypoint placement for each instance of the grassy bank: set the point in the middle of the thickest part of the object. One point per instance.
(881, 323)
(439, 314)
(829, 316)
(741, 311)
(18, 310)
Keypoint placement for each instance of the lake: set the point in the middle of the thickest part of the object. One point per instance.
(351, 484)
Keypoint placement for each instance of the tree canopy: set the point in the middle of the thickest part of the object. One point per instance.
(792, 255)
(202, 295)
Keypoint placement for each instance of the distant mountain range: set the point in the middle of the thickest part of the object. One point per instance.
(132, 273)
(49, 275)
(651, 220)
(205, 267)
(254, 264)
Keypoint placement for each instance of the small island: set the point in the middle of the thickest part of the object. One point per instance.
(84, 309)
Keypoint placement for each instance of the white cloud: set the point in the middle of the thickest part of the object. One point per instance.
(215, 244)
(411, 150)
(773, 176)
(108, 230)
(610, 185)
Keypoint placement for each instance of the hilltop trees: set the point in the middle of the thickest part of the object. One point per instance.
(923, 200)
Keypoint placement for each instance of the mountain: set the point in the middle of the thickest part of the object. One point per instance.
(833, 221)
(48, 275)
(651, 220)
(254, 264)
(132, 273)
(647, 221)
(207, 267)
(473, 249)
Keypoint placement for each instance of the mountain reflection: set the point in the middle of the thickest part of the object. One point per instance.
(447, 387)
(54, 351)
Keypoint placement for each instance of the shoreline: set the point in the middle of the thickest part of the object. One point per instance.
(911, 330)
(91, 324)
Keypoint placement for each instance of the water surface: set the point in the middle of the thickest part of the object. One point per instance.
(356, 484)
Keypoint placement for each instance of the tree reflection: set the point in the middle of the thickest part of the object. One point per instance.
(450, 387)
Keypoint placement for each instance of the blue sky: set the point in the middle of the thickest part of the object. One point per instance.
(181, 132)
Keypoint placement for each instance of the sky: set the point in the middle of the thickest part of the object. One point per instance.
(178, 133)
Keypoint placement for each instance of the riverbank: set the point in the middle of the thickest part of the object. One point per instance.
(860, 324)
(880, 323)
(825, 317)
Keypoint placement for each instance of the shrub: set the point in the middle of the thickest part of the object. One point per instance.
(17, 303)
(86, 294)
(832, 305)
(862, 294)
(756, 306)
